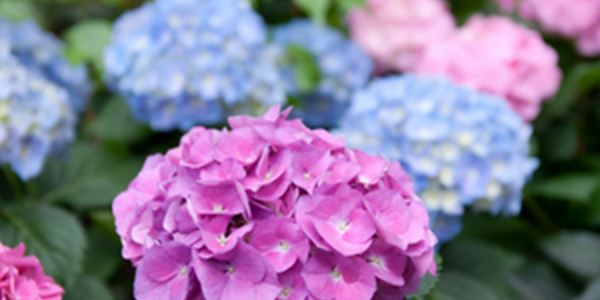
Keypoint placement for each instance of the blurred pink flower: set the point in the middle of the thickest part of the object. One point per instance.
(498, 56)
(22, 277)
(576, 19)
(395, 32)
(272, 210)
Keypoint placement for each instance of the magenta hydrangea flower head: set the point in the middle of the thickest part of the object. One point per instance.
(396, 32)
(22, 277)
(270, 209)
(497, 56)
(576, 19)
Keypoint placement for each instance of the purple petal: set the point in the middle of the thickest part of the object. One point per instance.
(227, 198)
(197, 148)
(243, 145)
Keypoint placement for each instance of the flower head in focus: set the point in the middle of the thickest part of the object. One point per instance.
(396, 32)
(41, 52)
(576, 19)
(272, 210)
(460, 147)
(22, 277)
(182, 63)
(497, 56)
(340, 66)
(36, 119)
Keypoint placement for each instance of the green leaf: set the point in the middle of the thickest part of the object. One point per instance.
(428, 282)
(52, 234)
(489, 264)
(88, 288)
(104, 221)
(480, 259)
(577, 187)
(316, 9)
(16, 10)
(514, 233)
(539, 282)
(306, 71)
(102, 257)
(578, 81)
(592, 291)
(347, 5)
(90, 179)
(561, 141)
(456, 285)
(116, 123)
(592, 212)
(578, 252)
(87, 40)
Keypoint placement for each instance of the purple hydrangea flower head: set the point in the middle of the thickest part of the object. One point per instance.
(272, 210)
(461, 147)
(36, 119)
(41, 52)
(342, 65)
(182, 63)
(22, 277)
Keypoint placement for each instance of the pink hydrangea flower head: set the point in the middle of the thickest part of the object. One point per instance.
(576, 19)
(498, 56)
(589, 42)
(272, 210)
(22, 277)
(395, 32)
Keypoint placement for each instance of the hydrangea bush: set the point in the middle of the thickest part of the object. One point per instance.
(343, 67)
(41, 53)
(459, 146)
(36, 119)
(181, 63)
(577, 19)
(272, 210)
(396, 32)
(497, 56)
(22, 277)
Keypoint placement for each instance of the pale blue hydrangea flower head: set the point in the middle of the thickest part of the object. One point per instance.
(179, 63)
(41, 52)
(36, 118)
(343, 66)
(461, 147)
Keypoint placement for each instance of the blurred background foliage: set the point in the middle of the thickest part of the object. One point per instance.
(550, 252)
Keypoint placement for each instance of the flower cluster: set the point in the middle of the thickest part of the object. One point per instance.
(395, 32)
(497, 56)
(41, 52)
(343, 67)
(36, 118)
(181, 63)
(272, 210)
(22, 277)
(459, 146)
(577, 19)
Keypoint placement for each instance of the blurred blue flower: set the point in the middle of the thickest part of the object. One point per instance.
(41, 52)
(461, 147)
(445, 227)
(36, 118)
(343, 68)
(179, 63)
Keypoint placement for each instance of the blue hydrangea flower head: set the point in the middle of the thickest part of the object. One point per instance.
(179, 63)
(343, 68)
(461, 147)
(36, 118)
(41, 52)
